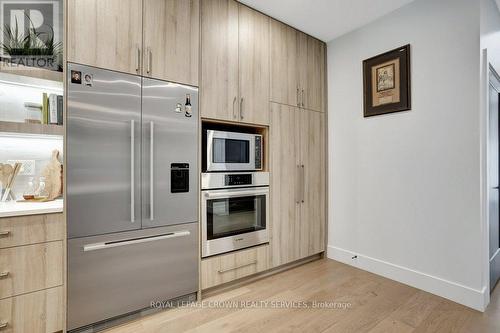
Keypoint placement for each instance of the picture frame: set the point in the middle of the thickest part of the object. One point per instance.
(387, 82)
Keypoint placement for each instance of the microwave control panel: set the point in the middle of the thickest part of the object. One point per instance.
(258, 152)
(238, 179)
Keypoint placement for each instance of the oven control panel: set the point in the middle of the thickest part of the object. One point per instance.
(238, 179)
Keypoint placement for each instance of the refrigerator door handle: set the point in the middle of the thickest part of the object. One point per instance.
(151, 171)
(132, 171)
(124, 242)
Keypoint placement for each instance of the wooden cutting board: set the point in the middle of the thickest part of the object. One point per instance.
(5, 171)
(53, 176)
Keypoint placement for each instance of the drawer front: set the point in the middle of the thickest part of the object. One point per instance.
(25, 230)
(105, 281)
(225, 268)
(30, 268)
(38, 312)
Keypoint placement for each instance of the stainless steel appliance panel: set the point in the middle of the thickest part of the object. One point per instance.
(112, 275)
(103, 151)
(216, 180)
(170, 154)
(233, 151)
(225, 229)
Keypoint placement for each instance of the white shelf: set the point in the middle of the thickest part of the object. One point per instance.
(11, 208)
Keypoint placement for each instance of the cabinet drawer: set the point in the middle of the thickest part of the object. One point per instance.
(228, 267)
(38, 312)
(30, 268)
(24, 230)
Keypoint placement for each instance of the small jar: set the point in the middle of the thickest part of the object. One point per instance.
(41, 192)
(29, 191)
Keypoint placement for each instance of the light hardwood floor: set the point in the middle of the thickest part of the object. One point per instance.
(377, 304)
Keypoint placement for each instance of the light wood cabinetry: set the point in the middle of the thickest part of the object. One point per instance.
(235, 63)
(297, 165)
(171, 40)
(284, 186)
(314, 95)
(38, 312)
(253, 66)
(25, 230)
(30, 268)
(313, 169)
(297, 68)
(283, 58)
(219, 60)
(32, 256)
(105, 34)
(154, 38)
(229, 267)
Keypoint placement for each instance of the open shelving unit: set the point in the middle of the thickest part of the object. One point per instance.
(37, 73)
(27, 128)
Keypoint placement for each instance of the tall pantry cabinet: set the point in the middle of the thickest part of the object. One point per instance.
(154, 38)
(297, 144)
(298, 183)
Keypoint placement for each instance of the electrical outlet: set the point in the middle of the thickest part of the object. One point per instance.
(27, 167)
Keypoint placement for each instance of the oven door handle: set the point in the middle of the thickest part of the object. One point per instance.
(233, 194)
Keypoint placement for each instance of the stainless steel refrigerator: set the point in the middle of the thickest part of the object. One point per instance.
(132, 202)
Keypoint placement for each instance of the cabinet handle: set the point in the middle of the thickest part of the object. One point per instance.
(138, 59)
(298, 97)
(303, 184)
(3, 324)
(241, 108)
(4, 233)
(303, 98)
(297, 187)
(234, 109)
(236, 267)
(4, 274)
(150, 60)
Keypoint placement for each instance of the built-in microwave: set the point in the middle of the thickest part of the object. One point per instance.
(233, 151)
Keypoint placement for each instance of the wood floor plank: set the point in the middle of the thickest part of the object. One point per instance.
(376, 305)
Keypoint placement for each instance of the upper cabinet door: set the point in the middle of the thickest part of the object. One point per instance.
(313, 188)
(302, 66)
(284, 73)
(105, 34)
(315, 75)
(171, 40)
(253, 66)
(219, 97)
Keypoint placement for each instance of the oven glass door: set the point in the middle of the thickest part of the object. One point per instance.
(235, 215)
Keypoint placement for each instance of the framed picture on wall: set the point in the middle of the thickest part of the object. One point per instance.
(386, 82)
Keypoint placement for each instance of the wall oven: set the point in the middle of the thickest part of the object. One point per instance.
(235, 211)
(232, 151)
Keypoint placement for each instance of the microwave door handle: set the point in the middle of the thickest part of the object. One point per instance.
(151, 171)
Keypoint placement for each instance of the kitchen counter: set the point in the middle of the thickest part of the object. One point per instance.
(10, 208)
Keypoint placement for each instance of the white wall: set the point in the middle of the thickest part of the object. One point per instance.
(405, 192)
(489, 55)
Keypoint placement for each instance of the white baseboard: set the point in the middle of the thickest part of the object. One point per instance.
(470, 297)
